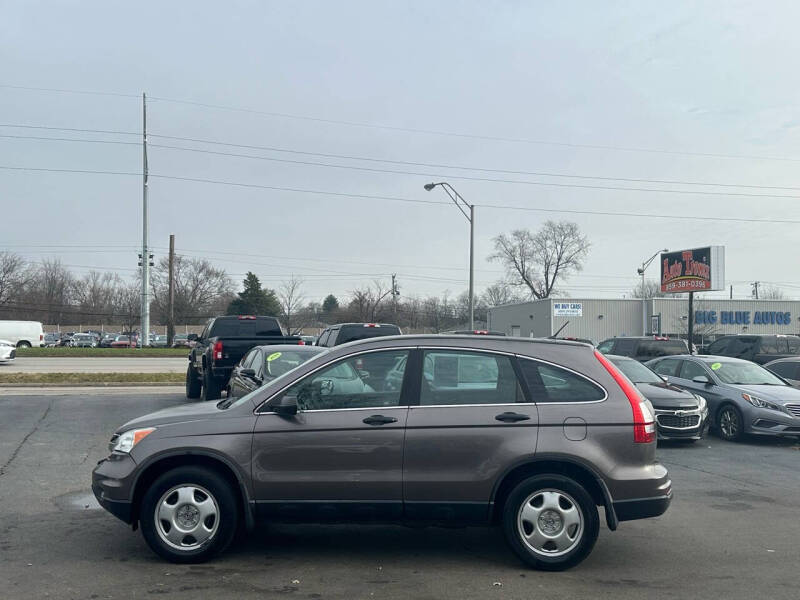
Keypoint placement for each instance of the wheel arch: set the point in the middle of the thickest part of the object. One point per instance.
(554, 465)
(164, 462)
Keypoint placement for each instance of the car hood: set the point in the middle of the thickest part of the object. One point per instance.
(196, 411)
(774, 393)
(666, 396)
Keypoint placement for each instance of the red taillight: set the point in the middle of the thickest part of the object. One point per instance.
(644, 427)
(217, 351)
(246, 318)
(41, 337)
(301, 343)
(371, 325)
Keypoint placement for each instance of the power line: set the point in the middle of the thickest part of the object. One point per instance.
(412, 200)
(52, 139)
(68, 91)
(73, 129)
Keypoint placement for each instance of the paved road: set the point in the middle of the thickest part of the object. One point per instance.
(732, 531)
(95, 365)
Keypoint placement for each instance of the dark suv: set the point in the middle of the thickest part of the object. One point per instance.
(758, 348)
(530, 435)
(643, 348)
(350, 332)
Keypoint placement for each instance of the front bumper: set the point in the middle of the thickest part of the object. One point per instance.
(112, 484)
(7, 353)
(681, 424)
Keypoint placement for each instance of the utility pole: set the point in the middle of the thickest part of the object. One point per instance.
(395, 294)
(755, 289)
(145, 339)
(171, 296)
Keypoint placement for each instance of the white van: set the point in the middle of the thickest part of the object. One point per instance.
(23, 334)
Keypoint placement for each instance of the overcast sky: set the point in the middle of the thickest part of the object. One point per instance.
(634, 90)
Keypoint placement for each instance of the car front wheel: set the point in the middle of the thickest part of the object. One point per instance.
(550, 522)
(730, 423)
(188, 515)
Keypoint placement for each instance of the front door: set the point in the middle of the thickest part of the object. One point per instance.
(471, 420)
(341, 455)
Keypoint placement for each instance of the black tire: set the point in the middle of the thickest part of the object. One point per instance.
(732, 429)
(193, 383)
(226, 521)
(23, 344)
(574, 496)
(212, 390)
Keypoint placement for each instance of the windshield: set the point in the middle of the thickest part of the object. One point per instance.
(279, 363)
(743, 373)
(636, 371)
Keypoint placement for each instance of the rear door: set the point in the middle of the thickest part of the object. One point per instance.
(470, 421)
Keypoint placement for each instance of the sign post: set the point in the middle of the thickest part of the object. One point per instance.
(693, 270)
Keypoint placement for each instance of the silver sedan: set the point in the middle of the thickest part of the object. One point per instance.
(743, 397)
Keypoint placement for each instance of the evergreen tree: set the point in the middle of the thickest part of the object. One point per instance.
(330, 304)
(254, 300)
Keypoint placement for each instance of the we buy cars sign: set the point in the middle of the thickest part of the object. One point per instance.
(693, 270)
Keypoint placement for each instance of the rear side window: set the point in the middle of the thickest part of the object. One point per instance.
(459, 378)
(667, 367)
(769, 345)
(739, 347)
(720, 346)
(625, 347)
(548, 383)
(605, 347)
(793, 344)
(649, 349)
(245, 328)
(787, 370)
(690, 370)
(350, 333)
(323, 339)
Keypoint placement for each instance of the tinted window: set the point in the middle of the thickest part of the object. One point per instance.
(453, 377)
(654, 348)
(350, 333)
(690, 370)
(323, 339)
(740, 346)
(605, 347)
(625, 347)
(361, 381)
(246, 327)
(249, 359)
(667, 367)
(274, 364)
(793, 343)
(769, 345)
(720, 346)
(787, 370)
(549, 383)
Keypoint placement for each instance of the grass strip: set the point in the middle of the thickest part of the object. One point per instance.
(71, 378)
(67, 352)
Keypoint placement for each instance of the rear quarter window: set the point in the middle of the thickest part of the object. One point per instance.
(359, 332)
(549, 383)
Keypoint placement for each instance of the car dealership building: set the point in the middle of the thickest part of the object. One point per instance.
(599, 319)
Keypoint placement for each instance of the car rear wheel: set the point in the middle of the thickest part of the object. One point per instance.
(550, 522)
(193, 384)
(23, 344)
(730, 423)
(188, 515)
(212, 390)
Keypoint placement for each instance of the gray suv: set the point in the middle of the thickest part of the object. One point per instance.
(530, 435)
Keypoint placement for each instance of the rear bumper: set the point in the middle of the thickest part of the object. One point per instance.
(642, 508)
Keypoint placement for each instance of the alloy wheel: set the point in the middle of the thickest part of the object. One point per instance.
(186, 517)
(550, 522)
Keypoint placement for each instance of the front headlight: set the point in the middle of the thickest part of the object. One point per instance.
(701, 402)
(760, 402)
(127, 440)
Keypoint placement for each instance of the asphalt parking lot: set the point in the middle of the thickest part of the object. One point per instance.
(732, 530)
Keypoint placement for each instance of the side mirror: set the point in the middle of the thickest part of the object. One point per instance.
(286, 406)
(192, 337)
(701, 379)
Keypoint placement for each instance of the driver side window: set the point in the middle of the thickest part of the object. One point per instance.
(366, 380)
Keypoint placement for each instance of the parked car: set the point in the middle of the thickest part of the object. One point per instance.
(262, 364)
(680, 414)
(158, 341)
(787, 368)
(758, 348)
(51, 340)
(221, 345)
(743, 397)
(65, 338)
(8, 351)
(309, 340)
(123, 341)
(83, 340)
(350, 332)
(181, 340)
(107, 340)
(643, 348)
(23, 334)
(531, 435)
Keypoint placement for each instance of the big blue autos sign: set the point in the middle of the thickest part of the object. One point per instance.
(742, 317)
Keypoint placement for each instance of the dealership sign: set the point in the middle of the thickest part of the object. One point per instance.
(568, 309)
(694, 270)
(742, 317)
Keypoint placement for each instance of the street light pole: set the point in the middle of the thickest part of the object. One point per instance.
(641, 271)
(461, 204)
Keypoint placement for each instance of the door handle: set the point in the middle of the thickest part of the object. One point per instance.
(379, 420)
(511, 417)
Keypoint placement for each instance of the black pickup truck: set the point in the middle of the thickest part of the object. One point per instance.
(221, 345)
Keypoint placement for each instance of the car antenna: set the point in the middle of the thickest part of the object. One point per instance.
(552, 337)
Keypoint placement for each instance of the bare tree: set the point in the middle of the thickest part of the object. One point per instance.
(200, 289)
(652, 289)
(367, 302)
(771, 292)
(49, 291)
(13, 276)
(500, 293)
(95, 294)
(539, 261)
(291, 298)
(128, 304)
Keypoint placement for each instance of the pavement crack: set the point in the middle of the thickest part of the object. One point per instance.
(25, 439)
